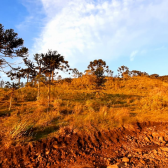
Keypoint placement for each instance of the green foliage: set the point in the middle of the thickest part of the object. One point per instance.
(98, 68)
(123, 70)
(10, 46)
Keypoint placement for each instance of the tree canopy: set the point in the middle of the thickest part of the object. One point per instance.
(98, 67)
(10, 46)
(51, 61)
(123, 70)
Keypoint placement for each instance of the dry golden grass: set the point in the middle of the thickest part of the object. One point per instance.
(81, 106)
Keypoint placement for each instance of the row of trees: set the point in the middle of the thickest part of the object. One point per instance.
(43, 66)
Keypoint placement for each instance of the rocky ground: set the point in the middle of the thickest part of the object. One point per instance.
(141, 145)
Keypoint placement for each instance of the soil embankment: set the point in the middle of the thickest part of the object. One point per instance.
(141, 145)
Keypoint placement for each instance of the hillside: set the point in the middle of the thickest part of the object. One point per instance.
(80, 108)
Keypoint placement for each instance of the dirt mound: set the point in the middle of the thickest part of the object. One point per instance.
(141, 145)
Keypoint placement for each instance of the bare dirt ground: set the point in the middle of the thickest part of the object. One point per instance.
(140, 145)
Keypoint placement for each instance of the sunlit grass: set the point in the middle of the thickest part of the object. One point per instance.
(81, 106)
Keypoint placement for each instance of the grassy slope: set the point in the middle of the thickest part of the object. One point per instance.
(82, 107)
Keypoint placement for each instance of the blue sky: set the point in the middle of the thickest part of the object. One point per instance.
(121, 32)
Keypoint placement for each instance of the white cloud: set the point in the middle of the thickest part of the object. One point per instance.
(83, 30)
(133, 54)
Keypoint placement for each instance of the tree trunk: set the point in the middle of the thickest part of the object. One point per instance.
(27, 78)
(38, 93)
(52, 75)
(19, 81)
(49, 91)
(10, 103)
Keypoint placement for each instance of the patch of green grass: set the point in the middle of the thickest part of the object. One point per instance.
(41, 133)
(5, 112)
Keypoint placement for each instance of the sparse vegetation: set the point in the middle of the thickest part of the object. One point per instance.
(82, 106)
(89, 102)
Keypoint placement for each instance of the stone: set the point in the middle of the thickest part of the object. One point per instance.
(154, 151)
(166, 137)
(155, 135)
(55, 146)
(164, 149)
(156, 142)
(161, 139)
(112, 166)
(142, 161)
(129, 155)
(47, 152)
(125, 159)
(147, 139)
(145, 155)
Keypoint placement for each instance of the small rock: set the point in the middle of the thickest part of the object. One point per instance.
(55, 146)
(125, 159)
(112, 166)
(129, 155)
(142, 161)
(161, 139)
(155, 135)
(145, 155)
(155, 151)
(159, 152)
(156, 142)
(166, 137)
(164, 149)
(147, 139)
(47, 152)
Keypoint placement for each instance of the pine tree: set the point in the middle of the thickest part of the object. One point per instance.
(52, 61)
(10, 46)
(99, 68)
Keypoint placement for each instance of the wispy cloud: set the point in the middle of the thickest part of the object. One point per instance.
(132, 56)
(83, 30)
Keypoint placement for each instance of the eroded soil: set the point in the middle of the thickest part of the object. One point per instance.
(141, 145)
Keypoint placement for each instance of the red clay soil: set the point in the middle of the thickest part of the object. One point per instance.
(143, 145)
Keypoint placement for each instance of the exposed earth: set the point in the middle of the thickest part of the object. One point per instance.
(140, 145)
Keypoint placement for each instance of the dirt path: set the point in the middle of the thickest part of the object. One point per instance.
(143, 145)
